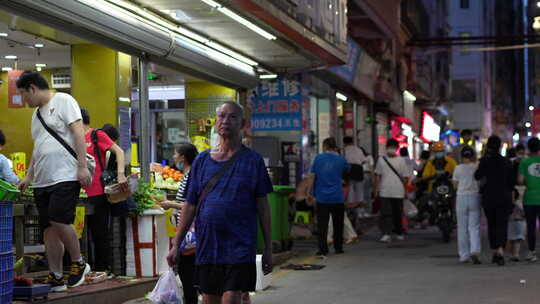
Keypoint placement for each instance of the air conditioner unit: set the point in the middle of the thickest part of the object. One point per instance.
(61, 81)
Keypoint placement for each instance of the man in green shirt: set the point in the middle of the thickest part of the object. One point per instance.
(529, 175)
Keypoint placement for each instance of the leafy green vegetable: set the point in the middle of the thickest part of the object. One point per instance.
(144, 197)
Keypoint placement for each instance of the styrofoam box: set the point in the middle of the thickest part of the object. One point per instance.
(263, 281)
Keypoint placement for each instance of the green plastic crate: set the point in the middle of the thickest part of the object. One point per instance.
(8, 192)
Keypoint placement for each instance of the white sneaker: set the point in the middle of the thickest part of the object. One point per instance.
(400, 237)
(385, 239)
(531, 257)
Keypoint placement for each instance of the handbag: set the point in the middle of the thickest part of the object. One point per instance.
(90, 160)
(190, 240)
(108, 176)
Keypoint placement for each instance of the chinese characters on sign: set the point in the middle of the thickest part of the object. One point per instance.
(277, 106)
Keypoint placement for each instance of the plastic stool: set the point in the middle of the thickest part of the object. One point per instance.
(302, 217)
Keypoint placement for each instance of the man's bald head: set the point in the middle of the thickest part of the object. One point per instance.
(238, 108)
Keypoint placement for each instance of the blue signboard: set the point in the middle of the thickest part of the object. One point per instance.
(348, 72)
(277, 106)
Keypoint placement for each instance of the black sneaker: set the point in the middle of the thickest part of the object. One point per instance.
(514, 259)
(321, 255)
(475, 259)
(340, 251)
(77, 274)
(57, 285)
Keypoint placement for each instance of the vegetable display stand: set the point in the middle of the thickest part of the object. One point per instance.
(147, 244)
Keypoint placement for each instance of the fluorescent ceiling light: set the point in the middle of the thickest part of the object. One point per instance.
(7, 69)
(341, 96)
(240, 19)
(166, 25)
(10, 57)
(3, 34)
(268, 76)
(409, 96)
(212, 3)
(247, 23)
(130, 10)
(38, 69)
(231, 53)
(39, 45)
(41, 65)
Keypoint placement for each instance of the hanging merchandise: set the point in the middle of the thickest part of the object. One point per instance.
(201, 143)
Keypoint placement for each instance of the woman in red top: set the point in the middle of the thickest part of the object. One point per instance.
(98, 223)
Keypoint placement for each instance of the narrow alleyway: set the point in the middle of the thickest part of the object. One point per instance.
(420, 269)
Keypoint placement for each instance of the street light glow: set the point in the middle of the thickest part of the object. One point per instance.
(528, 124)
(531, 108)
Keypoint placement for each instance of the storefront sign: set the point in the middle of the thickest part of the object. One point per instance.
(536, 121)
(19, 163)
(277, 106)
(430, 130)
(14, 98)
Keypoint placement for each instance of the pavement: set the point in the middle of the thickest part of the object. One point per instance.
(420, 269)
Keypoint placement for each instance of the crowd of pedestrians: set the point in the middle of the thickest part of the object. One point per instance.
(222, 196)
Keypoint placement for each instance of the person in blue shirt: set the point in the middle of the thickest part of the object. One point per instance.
(6, 173)
(226, 225)
(326, 180)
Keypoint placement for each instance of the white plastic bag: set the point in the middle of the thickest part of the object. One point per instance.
(168, 289)
(409, 209)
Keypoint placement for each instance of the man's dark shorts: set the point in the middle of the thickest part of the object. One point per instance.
(57, 203)
(217, 279)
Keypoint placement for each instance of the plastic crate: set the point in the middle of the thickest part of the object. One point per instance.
(8, 192)
(6, 226)
(6, 277)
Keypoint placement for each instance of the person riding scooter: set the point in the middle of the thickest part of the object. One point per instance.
(439, 164)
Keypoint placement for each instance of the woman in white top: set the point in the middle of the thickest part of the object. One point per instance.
(468, 208)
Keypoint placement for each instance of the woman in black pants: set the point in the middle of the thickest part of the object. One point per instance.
(184, 156)
(496, 178)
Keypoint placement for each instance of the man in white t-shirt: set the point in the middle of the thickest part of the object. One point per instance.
(391, 176)
(356, 158)
(56, 175)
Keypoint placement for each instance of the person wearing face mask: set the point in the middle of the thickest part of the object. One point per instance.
(391, 175)
(440, 164)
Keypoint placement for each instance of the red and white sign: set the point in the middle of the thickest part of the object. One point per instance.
(535, 121)
(431, 131)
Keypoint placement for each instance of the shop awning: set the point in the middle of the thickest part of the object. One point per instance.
(125, 30)
(295, 48)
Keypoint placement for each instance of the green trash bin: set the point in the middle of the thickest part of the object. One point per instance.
(279, 210)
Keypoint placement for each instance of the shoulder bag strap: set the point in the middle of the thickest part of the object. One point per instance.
(214, 180)
(394, 170)
(94, 139)
(56, 136)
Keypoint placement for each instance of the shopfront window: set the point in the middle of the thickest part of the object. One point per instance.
(170, 130)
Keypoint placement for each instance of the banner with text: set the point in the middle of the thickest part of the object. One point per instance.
(277, 106)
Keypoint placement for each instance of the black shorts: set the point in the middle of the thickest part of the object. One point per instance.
(216, 279)
(57, 203)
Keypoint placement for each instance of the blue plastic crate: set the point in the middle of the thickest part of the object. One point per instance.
(6, 276)
(6, 226)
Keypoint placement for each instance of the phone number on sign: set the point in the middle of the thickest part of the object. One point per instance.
(275, 123)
